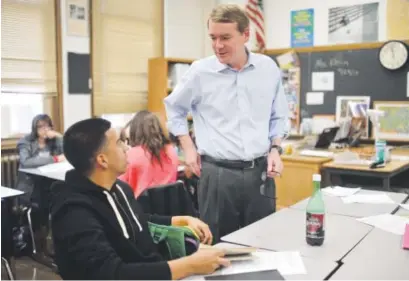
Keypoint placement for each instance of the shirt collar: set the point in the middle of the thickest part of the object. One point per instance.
(250, 62)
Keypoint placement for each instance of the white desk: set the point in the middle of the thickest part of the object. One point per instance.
(6, 192)
(55, 175)
(403, 212)
(378, 256)
(335, 205)
(60, 174)
(315, 269)
(285, 231)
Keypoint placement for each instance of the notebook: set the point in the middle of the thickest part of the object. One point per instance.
(405, 239)
(255, 275)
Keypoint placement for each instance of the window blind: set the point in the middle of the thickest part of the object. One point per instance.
(28, 47)
(125, 34)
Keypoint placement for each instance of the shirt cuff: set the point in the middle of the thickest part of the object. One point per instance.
(178, 128)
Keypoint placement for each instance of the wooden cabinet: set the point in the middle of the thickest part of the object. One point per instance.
(295, 184)
(158, 86)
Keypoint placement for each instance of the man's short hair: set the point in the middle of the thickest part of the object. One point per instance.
(83, 140)
(230, 13)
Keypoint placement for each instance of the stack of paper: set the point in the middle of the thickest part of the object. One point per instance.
(387, 222)
(287, 263)
(399, 157)
(340, 191)
(381, 198)
(317, 153)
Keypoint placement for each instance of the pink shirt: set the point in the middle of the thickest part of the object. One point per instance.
(142, 173)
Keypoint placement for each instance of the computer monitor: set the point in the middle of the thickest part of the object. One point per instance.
(326, 138)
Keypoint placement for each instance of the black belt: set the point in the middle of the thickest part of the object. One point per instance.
(233, 164)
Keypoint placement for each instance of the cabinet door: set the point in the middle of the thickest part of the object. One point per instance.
(295, 184)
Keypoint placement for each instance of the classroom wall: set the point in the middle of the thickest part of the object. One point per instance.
(398, 19)
(76, 107)
(185, 28)
(278, 22)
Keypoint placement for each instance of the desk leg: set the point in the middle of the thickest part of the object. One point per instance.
(387, 183)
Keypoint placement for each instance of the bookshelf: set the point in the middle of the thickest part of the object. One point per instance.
(158, 83)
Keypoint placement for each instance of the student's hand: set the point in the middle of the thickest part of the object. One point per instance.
(206, 261)
(201, 229)
(274, 164)
(51, 134)
(198, 226)
(61, 157)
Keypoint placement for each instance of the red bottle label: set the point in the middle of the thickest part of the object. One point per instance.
(315, 225)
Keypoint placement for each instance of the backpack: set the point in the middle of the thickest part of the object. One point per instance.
(174, 241)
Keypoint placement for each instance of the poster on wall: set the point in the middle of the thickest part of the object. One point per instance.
(302, 28)
(353, 24)
(77, 18)
(291, 77)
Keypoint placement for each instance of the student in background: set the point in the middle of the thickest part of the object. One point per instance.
(41, 147)
(152, 159)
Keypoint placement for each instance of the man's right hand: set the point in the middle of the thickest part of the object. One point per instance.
(206, 261)
(192, 160)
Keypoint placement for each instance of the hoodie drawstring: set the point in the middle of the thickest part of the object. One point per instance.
(129, 207)
(117, 214)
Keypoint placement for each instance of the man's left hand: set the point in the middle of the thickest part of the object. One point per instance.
(199, 227)
(274, 164)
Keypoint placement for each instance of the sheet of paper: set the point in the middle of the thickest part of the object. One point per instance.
(399, 157)
(381, 198)
(314, 98)
(60, 167)
(287, 263)
(391, 223)
(8, 192)
(323, 81)
(316, 153)
(340, 191)
(405, 206)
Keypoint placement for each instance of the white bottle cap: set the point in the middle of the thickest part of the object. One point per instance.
(316, 177)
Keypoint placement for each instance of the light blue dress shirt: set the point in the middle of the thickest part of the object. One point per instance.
(236, 114)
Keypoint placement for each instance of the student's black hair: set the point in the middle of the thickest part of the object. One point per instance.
(83, 140)
(40, 117)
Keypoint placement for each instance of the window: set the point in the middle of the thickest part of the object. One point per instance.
(28, 62)
(17, 112)
(125, 34)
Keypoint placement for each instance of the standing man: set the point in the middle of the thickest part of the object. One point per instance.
(240, 116)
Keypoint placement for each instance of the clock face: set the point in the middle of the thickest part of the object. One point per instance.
(393, 55)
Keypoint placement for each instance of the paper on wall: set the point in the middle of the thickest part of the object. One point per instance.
(314, 98)
(323, 81)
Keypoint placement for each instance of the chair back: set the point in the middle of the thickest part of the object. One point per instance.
(169, 200)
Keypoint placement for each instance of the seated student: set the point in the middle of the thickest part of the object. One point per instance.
(152, 159)
(42, 146)
(99, 229)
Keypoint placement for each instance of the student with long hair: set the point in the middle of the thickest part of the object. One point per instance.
(40, 147)
(152, 159)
